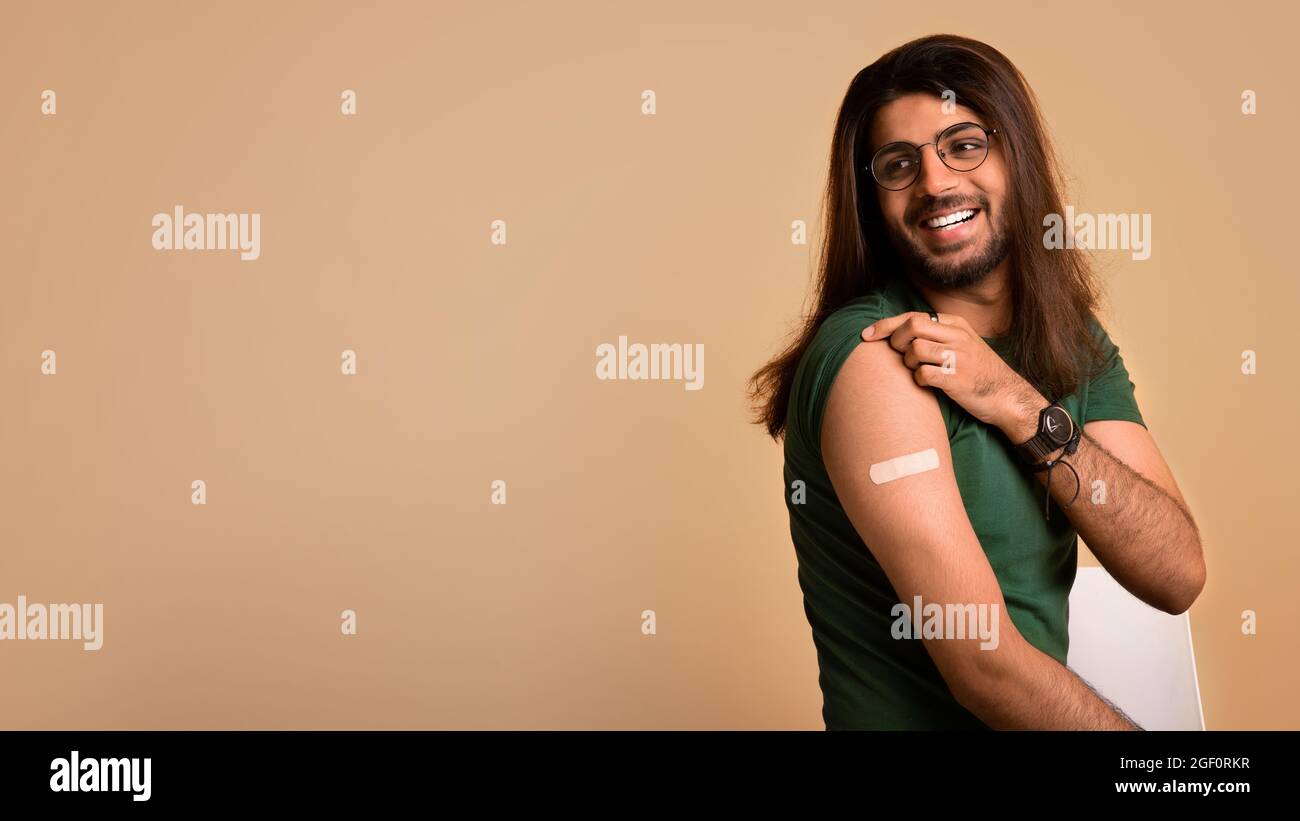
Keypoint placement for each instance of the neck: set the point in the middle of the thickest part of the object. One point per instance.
(985, 305)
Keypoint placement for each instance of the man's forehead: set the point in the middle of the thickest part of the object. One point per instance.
(917, 118)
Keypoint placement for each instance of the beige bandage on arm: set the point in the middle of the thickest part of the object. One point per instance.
(901, 466)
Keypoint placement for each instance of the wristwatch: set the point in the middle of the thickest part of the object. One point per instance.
(1056, 429)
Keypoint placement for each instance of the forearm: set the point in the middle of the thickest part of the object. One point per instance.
(1140, 534)
(1026, 689)
(1143, 537)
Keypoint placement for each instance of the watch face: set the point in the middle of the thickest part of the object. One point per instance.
(1058, 425)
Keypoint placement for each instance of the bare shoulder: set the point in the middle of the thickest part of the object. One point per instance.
(875, 397)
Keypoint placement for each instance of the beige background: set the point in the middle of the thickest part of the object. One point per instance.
(476, 362)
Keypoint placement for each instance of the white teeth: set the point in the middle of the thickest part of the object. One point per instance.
(956, 216)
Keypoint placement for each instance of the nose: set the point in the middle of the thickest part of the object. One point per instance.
(935, 177)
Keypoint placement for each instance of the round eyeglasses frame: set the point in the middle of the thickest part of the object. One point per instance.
(916, 150)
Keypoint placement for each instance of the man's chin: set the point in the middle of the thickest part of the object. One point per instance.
(960, 266)
(941, 273)
(950, 280)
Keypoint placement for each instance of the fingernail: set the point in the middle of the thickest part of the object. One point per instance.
(871, 329)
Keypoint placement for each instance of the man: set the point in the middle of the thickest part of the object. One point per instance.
(955, 417)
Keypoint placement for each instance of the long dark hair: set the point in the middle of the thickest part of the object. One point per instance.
(1053, 291)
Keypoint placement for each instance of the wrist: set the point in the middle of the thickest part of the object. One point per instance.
(1020, 423)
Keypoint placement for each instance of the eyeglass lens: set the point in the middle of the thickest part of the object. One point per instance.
(962, 148)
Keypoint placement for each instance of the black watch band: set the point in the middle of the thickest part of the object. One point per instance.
(1056, 430)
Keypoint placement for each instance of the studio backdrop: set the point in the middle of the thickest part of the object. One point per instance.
(321, 328)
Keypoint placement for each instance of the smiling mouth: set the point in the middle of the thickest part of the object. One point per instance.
(949, 220)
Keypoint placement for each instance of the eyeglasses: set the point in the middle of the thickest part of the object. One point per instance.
(961, 147)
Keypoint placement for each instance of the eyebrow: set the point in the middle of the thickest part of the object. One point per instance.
(934, 140)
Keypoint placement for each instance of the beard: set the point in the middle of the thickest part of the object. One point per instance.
(973, 269)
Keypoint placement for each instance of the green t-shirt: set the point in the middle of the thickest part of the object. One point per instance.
(869, 679)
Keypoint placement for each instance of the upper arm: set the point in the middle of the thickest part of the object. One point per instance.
(1133, 445)
(915, 526)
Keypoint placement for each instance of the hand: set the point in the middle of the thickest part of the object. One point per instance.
(950, 356)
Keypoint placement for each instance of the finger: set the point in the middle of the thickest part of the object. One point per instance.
(924, 328)
(923, 351)
(930, 376)
(956, 320)
(884, 327)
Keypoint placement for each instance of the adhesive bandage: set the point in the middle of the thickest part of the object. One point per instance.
(901, 466)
